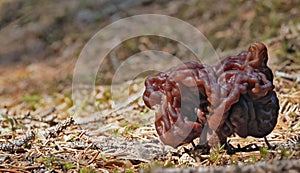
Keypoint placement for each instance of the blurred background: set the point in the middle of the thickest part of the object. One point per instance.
(40, 41)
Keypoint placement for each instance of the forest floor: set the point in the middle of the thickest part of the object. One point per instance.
(40, 42)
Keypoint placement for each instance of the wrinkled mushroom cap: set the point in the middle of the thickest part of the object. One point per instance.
(234, 96)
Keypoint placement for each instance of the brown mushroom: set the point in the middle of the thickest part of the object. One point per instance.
(234, 96)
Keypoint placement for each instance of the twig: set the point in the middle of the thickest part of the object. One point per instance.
(34, 167)
(9, 170)
(18, 143)
(295, 77)
(51, 110)
(60, 127)
(41, 118)
(94, 157)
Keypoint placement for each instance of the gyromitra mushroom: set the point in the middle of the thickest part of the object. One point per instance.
(234, 96)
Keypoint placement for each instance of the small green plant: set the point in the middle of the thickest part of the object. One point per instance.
(285, 153)
(71, 137)
(87, 170)
(145, 167)
(157, 164)
(128, 128)
(129, 171)
(216, 153)
(252, 159)
(233, 160)
(69, 166)
(169, 165)
(103, 157)
(12, 122)
(264, 152)
(49, 162)
(124, 124)
(32, 100)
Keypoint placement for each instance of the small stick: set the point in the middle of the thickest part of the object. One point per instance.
(295, 77)
(9, 170)
(18, 143)
(51, 110)
(60, 127)
(94, 157)
(269, 145)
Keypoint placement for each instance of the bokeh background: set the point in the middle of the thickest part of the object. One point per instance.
(41, 40)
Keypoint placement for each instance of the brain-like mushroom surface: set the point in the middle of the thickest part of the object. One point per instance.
(234, 96)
